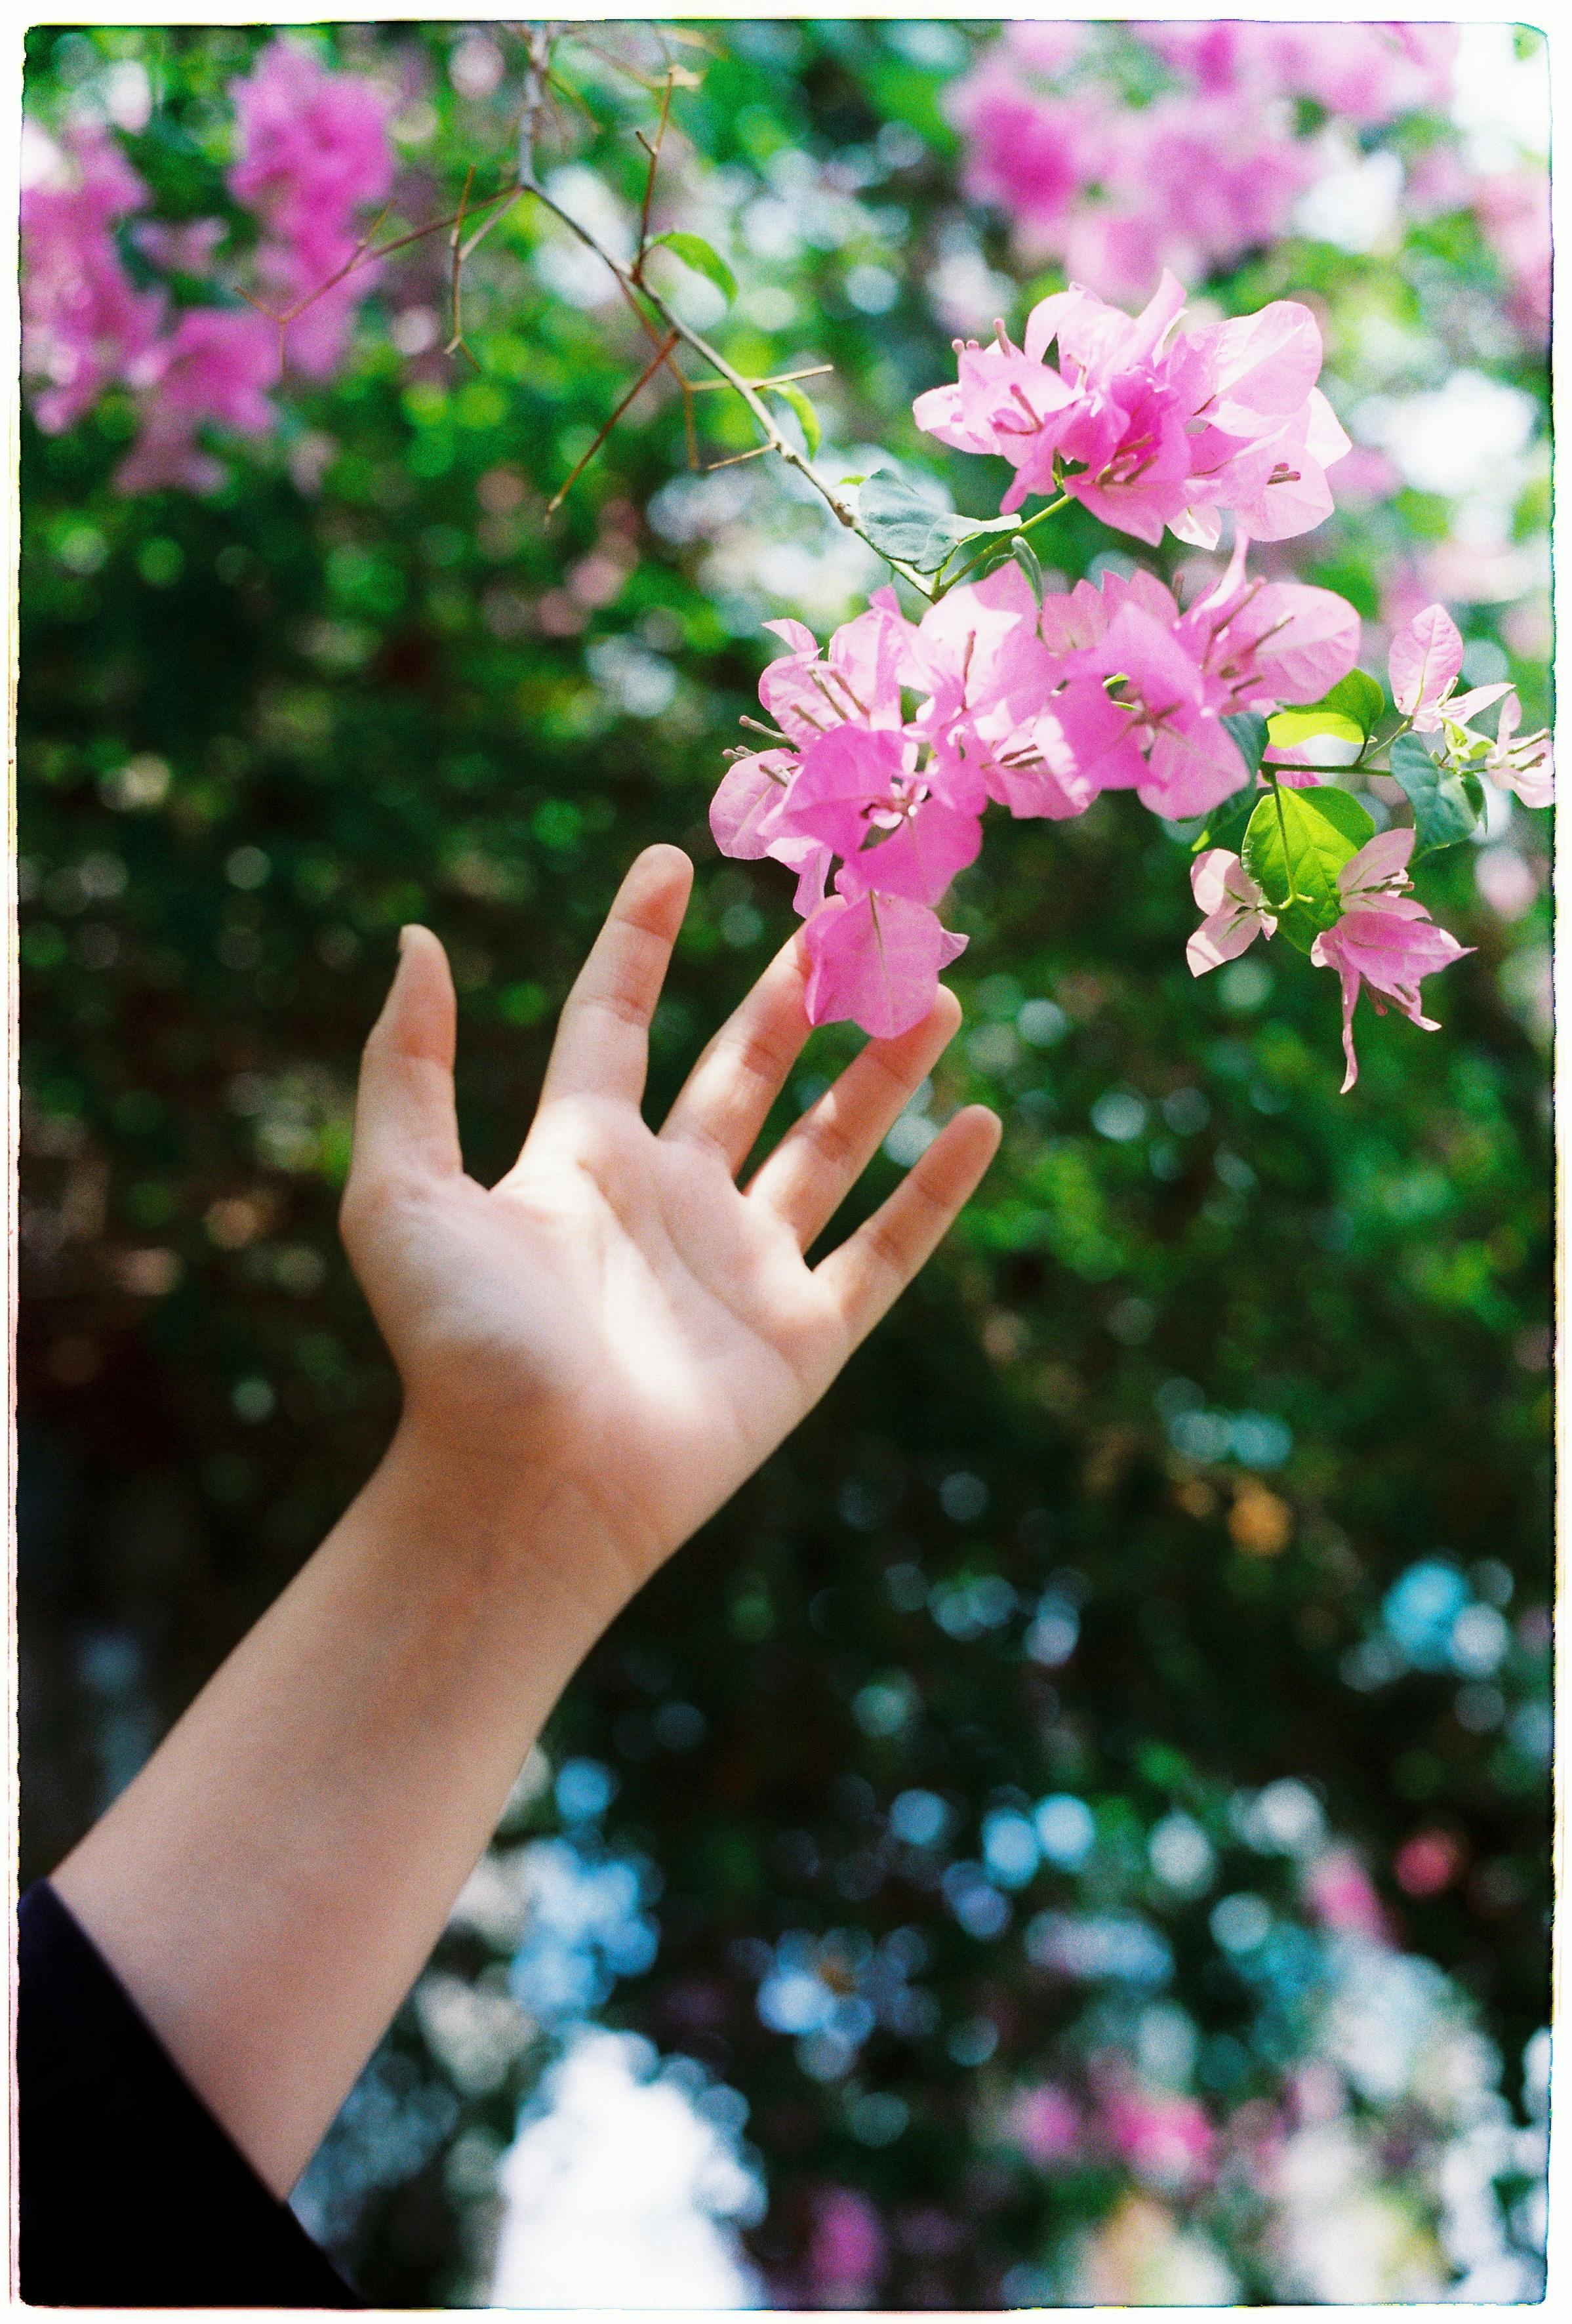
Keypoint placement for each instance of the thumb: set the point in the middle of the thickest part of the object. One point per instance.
(404, 1120)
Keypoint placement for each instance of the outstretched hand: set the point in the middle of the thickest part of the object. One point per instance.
(616, 1319)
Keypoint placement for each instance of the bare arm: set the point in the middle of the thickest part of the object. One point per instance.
(594, 1354)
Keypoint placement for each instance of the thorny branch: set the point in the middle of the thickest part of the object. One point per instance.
(647, 303)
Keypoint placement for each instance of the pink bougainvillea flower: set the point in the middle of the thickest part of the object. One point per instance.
(858, 678)
(1271, 642)
(1234, 908)
(1342, 1896)
(858, 792)
(1166, 2138)
(1000, 719)
(85, 326)
(1148, 427)
(1385, 939)
(875, 959)
(1423, 664)
(1045, 2123)
(846, 2253)
(745, 819)
(1521, 766)
(312, 151)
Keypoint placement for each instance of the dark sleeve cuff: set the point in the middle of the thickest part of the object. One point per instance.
(131, 2194)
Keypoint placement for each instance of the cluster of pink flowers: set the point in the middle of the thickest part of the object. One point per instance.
(1196, 176)
(1384, 939)
(1037, 708)
(884, 751)
(312, 147)
(1148, 426)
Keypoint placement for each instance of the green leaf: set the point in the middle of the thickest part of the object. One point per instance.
(1290, 728)
(1444, 810)
(1296, 843)
(813, 434)
(1248, 729)
(901, 523)
(695, 252)
(1226, 824)
(1026, 556)
(1359, 696)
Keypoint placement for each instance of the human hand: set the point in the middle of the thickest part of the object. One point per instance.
(617, 1325)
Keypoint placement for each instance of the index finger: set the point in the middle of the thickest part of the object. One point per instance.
(601, 1048)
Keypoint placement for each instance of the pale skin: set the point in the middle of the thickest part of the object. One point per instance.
(594, 1353)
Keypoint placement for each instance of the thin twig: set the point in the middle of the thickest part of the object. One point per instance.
(755, 452)
(455, 240)
(653, 153)
(650, 368)
(774, 440)
(777, 379)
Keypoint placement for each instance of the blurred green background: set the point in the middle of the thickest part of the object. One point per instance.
(1202, 1484)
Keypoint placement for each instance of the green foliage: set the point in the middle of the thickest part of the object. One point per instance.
(1295, 845)
(695, 252)
(1446, 804)
(904, 522)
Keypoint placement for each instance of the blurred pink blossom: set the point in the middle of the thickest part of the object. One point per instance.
(1340, 1893)
(85, 327)
(1029, 155)
(216, 364)
(1367, 72)
(1166, 2138)
(312, 149)
(846, 2254)
(1513, 208)
(1045, 2123)
(1196, 176)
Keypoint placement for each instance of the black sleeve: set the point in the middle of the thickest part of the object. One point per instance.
(131, 2196)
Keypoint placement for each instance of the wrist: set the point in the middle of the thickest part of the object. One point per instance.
(504, 1521)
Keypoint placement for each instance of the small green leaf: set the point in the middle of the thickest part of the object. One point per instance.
(1359, 696)
(1296, 843)
(1226, 824)
(695, 252)
(1248, 729)
(1444, 811)
(1026, 556)
(813, 434)
(901, 523)
(1290, 729)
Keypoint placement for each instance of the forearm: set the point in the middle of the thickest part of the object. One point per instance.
(269, 1886)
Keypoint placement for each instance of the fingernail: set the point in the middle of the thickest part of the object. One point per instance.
(404, 938)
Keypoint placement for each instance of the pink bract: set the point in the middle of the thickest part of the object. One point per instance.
(1234, 908)
(877, 960)
(847, 2251)
(1385, 939)
(1423, 665)
(85, 327)
(313, 149)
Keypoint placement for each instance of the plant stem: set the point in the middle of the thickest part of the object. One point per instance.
(997, 541)
(773, 441)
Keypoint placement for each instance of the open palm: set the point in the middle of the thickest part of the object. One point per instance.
(616, 1319)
